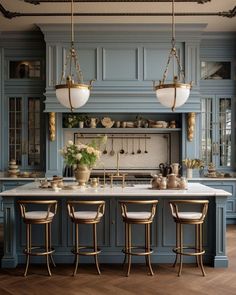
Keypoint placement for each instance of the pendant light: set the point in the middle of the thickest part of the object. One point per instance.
(72, 92)
(173, 94)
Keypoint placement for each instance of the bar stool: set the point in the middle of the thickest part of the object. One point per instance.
(86, 217)
(38, 217)
(144, 217)
(195, 218)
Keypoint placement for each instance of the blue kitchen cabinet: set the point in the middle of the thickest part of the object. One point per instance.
(226, 185)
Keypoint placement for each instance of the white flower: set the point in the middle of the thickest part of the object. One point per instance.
(97, 153)
(90, 150)
(81, 146)
(78, 157)
(70, 142)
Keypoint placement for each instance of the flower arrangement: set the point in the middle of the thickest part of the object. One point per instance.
(193, 163)
(82, 154)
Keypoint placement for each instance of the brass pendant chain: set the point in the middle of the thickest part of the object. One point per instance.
(173, 51)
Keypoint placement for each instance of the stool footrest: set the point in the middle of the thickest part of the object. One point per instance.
(130, 252)
(178, 251)
(86, 253)
(34, 253)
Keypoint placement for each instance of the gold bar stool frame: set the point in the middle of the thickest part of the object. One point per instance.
(86, 217)
(130, 218)
(38, 217)
(194, 218)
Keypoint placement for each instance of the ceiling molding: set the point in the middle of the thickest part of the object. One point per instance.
(10, 14)
(36, 2)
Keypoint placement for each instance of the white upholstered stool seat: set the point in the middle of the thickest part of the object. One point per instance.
(138, 215)
(188, 215)
(38, 215)
(86, 215)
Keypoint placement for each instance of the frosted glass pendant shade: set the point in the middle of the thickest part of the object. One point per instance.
(173, 95)
(74, 96)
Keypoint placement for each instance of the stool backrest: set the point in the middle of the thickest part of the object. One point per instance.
(51, 206)
(72, 205)
(174, 206)
(125, 203)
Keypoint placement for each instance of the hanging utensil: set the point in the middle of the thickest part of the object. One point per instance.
(145, 145)
(122, 151)
(139, 149)
(133, 147)
(112, 152)
(105, 150)
(127, 145)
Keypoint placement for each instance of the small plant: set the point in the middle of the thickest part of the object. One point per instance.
(193, 163)
(72, 120)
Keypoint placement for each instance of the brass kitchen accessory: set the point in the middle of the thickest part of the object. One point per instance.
(127, 146)
(138, 217)
(86, 217)
(182, 217)
(139, 149)
(38, 217)
(122, 151)
(145, 144)
(117, 175)
(112, 152)
(133, 147)
(105, 150)
(94, 182)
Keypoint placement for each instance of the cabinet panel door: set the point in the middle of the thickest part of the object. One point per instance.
(216, 131)
(223, 130)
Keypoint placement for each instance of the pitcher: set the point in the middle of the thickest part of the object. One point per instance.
(92, 122)
(175, 167)
(172, 181)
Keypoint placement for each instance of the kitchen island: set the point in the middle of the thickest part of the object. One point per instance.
(111, 229)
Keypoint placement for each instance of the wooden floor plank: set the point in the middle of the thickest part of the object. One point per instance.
(114, 282)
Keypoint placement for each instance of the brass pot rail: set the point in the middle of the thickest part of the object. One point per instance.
(79, 135)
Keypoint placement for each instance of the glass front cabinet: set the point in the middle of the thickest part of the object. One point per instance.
(26, 129)
(216, 133)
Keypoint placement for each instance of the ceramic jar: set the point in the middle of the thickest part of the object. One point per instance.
(163, 183)
(183, 183)
(92, 122)
(175, 168)
(172, 181)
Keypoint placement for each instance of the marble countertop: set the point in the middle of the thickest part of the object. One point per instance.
(194, 189)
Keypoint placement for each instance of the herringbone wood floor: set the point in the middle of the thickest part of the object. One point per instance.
(113, 282)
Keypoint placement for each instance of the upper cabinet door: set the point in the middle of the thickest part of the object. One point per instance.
(216, 131)
(25, 131)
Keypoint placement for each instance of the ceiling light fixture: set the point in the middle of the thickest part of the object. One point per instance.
(173, 94)
(72, 92)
